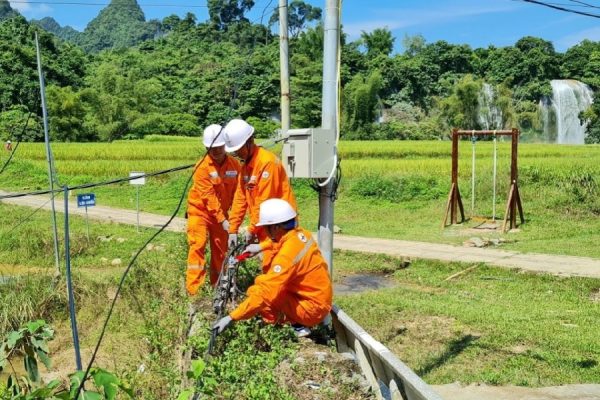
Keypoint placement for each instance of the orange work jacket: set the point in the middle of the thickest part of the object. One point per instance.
(213, 188)
(297, 270)
(262, 178)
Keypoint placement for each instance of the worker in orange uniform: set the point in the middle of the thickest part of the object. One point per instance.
(262, 177)
(296, 287)
(209, 200)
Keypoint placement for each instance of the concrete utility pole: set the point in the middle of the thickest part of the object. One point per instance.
(48, 150)
(284, 57)
(329, 121)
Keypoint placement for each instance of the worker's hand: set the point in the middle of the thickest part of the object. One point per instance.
(222, 324)
(253, 249)
(225, 225)
(249, 237)
(232, 240)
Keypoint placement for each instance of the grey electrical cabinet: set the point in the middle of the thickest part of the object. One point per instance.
(308, 153)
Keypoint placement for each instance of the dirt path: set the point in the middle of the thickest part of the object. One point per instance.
(554, 264)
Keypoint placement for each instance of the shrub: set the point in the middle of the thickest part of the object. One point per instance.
(263, 128)
(396, 189)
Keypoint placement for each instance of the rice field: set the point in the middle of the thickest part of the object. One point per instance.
(390, 189)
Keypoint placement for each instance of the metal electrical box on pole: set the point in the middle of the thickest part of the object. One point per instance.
(308, 153)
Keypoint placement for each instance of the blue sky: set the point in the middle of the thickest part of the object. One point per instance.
(478, 23)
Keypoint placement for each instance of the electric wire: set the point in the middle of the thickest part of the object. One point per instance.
(28, 217)
(583, 4)
(79, 3)
(91, 185)
(131, 263)
(12, 153)
(550, 5)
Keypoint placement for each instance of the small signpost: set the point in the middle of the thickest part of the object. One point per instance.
(86, 200)
(137, 182)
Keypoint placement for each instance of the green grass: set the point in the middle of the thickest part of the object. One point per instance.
(490, 325)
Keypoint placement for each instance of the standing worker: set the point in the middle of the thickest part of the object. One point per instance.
(262, 177)
(209, 200)
(296, 287)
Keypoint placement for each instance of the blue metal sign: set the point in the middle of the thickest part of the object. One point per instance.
(86, 200)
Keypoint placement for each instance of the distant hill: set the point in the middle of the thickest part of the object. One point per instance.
(66, 33)
(121, 24)
(6, 11)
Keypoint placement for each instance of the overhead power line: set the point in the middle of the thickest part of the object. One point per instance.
(584, 4)
(557, 7)
(79, 3)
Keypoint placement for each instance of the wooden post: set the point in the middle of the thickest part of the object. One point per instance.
(513, 204)
(454, 204)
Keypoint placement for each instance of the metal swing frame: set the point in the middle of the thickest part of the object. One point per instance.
(454, 204)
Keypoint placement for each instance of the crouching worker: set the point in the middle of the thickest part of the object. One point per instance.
(296, 287)
(209, 200)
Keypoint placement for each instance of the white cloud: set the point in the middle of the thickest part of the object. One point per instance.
(401, 18)
(31, 10)
(565, 42)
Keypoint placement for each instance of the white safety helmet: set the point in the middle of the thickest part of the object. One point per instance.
(213, 136)
(237, 132)
(275, 211)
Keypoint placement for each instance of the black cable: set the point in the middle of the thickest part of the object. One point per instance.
(230, 113)
(109, 315)
(90, 185)
(130, 265)
(12, 153)
(123, 277)
(541, 3)
(78, 3)
(583, 4)
(30, 215)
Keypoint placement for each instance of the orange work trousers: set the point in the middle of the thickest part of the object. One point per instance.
(199, 231)
(293, 310)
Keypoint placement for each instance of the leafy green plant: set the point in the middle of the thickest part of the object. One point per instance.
(32, 342)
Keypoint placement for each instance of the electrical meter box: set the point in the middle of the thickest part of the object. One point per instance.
(308, 153)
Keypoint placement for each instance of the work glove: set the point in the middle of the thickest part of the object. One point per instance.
(249, 237)
(232, 240)
(225, 225)
(222, 324)
(253, 249)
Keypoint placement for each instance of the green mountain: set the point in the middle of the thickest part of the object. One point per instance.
(6, 11)
(120, 25)
(66, 33)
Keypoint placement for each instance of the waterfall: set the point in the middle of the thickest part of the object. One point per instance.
(561, 113)
(489, 114)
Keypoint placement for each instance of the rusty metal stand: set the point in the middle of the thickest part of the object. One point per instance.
(514, 198)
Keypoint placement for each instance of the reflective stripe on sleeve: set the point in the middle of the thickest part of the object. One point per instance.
(303, 252)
